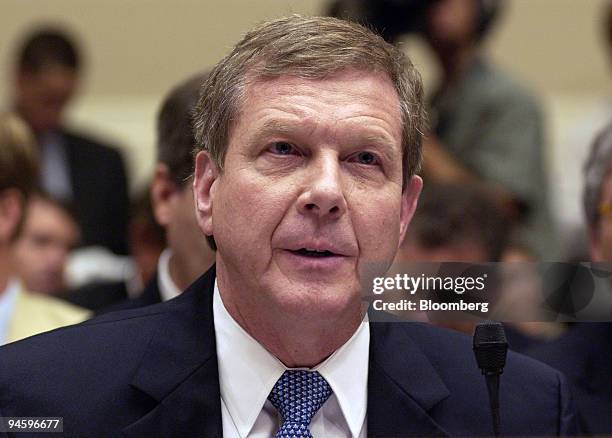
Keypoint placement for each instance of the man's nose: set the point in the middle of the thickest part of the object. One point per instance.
(323, 196)
(57, 256)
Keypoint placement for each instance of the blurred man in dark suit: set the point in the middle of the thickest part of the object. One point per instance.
(309, 137)
(584, 353)
(146, 241)
(460, 223)
(188, 254)
(74, 168)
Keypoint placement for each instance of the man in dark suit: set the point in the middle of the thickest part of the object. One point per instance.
(584, 352)
(74, 168)
(187, 254)
(309, 139)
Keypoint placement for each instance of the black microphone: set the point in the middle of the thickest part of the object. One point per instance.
(490, 349)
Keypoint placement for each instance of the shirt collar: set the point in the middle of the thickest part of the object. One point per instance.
(248, 372)
(8, 297)
(346, 371)
(167, 287)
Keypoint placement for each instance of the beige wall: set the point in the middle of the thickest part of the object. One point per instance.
(558, 45)
(140, 47)
(137, 49)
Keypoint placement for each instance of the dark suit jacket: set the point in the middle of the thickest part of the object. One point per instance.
(150, 295)
(519, 341)
(98, 296)
(152, 372)
(104, 297)
(584, 355)
(100, 190)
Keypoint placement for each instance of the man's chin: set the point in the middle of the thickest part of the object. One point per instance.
(320, 298)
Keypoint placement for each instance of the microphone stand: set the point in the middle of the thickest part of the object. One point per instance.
(490, 349)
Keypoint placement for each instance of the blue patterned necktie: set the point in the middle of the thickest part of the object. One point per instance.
(297, 396)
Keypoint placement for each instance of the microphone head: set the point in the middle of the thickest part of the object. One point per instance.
(490, 347)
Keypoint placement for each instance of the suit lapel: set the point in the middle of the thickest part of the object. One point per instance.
(179, 370)
(401, 393)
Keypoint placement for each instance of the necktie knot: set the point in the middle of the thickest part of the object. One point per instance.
(297, 396)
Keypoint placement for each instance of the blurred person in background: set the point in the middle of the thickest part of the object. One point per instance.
(48, 235)
(454, 222)
(169, 214)
(584, 353)
(487, 129)
(188, 254)
(573, 148)
(146, 241)
(22, 313)
(461, 223)
(74, 167)
(598, 196)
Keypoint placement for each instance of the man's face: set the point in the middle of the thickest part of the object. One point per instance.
(42, 96)
(41, 250)
(310, 193)
(601, 237)
(451, 23)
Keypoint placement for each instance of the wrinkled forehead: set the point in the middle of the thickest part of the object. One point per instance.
(371, 89)
(362, 102)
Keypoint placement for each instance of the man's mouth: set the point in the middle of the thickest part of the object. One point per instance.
(313, 253)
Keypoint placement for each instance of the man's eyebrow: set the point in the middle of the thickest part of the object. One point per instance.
(271, 128)
(383, 143)
(378, 140)
(275, 127)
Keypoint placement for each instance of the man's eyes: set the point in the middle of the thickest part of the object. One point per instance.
(365, 158)
(282, 148)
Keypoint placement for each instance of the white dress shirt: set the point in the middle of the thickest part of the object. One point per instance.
(55, 169)
(167, 288)
(8, 297)
(248, 372)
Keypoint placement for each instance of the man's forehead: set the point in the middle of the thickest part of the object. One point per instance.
(346, 92)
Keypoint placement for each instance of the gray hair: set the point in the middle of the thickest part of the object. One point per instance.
(309, 48)
(596, 168)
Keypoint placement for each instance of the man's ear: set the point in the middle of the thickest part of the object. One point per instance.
(205, 176)
(410, 197)
(163, 189)
(11, 212)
